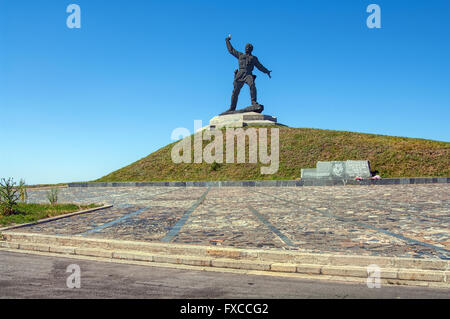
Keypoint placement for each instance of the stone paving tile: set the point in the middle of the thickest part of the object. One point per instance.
(107, 195)
(393, 220)
(314, 232)
(150, 225)
(162, 209)
(79, 224)
(423, 216)
(154, 222)
(224, 219)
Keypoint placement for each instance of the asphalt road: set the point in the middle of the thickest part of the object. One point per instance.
(36, 276)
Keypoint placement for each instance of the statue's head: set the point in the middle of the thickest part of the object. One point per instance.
(248, 48)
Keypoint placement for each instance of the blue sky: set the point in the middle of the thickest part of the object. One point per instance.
(77, 104)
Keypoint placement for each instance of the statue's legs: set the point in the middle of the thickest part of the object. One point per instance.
(250, 80)
(234, 97)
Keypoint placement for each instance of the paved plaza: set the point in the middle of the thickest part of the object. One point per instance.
(394, 220)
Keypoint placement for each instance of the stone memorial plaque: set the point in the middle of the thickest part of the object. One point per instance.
(309, 173)
(337, 170)
(358, 168)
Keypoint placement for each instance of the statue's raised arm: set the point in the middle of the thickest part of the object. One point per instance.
(230, 48)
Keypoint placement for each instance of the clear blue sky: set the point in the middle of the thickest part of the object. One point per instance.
(79, 103)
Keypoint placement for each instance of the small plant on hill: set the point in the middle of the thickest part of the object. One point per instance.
(215, 166)
(52, 196)
(23, 191)
(9, 196)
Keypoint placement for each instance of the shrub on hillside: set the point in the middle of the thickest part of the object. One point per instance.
(9, 196)
(23, 191)
(52, 196)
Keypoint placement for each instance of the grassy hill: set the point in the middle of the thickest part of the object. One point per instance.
(302, 148)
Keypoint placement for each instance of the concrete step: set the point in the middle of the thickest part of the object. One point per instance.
(232, 253)
(392, 270)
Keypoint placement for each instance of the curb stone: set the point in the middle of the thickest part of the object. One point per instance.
(233, 258)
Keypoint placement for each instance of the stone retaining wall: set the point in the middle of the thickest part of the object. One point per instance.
(271, 183)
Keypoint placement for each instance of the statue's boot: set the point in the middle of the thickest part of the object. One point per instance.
(255, 107)
(231, 110)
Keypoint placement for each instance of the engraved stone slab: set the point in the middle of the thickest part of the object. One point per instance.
(358, 168)
(309, 173)
(337, 170)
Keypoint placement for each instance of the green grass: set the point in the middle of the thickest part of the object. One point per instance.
(27, 213)
(47, 185)
(301, 148)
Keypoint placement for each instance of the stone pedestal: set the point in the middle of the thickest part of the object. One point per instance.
(241, 120)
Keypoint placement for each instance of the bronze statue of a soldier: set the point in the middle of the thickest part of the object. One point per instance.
(247, 62)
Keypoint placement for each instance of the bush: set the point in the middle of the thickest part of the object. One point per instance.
(52, 196)
(9, 196)
(215, 166)
(23, 191)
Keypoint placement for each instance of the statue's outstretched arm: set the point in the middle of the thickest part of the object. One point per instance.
(231, 49)
(261, 67)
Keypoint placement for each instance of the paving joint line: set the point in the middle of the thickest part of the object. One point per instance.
(346, 220)
(173, 232)
(113, 222)
(275, 230)
(120, 219)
